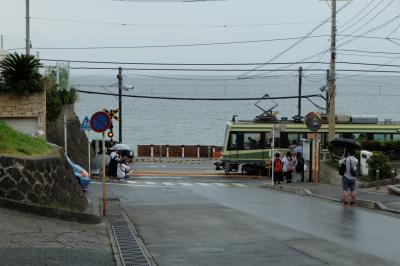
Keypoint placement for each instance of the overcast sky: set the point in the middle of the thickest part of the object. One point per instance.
(93, 23)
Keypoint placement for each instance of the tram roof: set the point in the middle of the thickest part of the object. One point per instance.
(250, 126)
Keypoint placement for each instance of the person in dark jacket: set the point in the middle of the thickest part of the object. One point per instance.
(113, 165)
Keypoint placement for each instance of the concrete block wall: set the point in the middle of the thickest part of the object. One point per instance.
(32, 106)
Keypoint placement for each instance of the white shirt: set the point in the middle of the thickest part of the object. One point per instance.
(122, 170)
(351, 161)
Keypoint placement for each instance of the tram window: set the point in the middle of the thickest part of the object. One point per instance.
(379, 136)
(396, 136)
(284, 141)
(253, 140)
(233, 142)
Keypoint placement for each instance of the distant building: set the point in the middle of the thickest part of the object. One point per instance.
(3, 53)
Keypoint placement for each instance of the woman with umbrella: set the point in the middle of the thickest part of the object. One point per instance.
(349, 165)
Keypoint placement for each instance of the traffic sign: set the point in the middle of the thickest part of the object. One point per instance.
(85, 125)
(100, 121)
(313, 121)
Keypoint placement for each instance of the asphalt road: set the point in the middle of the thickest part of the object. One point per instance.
(213, 221)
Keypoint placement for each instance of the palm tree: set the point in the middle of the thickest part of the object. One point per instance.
(20, 74)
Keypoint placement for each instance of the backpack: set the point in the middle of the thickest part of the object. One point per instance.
(277, 165)
(300, 166)
(290, 165)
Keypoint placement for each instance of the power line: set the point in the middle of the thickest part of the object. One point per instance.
(198, 44)
(363, 17)
(175, 45)
(356, 15)
(368, 52)
(199, 99)
(211, 64)
(296, 43)
(170, 25)
(168, 63)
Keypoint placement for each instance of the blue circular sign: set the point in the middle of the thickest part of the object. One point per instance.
(100, 122)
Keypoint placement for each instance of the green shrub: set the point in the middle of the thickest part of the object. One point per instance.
(20, 74)
(56, 98)
(379, 161)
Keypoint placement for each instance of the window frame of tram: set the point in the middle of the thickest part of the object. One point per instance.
(241, 141)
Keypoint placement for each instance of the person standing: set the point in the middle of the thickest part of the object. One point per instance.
(277, 162)
(288, 167)
(349, 178)
(112, 166)
(298, 173)
(123, 170)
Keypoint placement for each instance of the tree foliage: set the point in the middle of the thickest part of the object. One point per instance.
(56, 97)
(378, 161)
(20, 74)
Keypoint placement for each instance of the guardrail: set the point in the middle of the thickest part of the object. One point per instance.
(179, 151)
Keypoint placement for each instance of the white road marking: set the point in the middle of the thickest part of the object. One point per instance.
(150, 183)
(131, 182)
(168, 183)
(221, 184)
(204, 184)
(186, 184)
(239, 185)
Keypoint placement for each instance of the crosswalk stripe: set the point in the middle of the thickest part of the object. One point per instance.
(168, 183)
(204, 184)
(239, 185)
(186, 184)
(222, 184)
(131, 182)
(150, 183)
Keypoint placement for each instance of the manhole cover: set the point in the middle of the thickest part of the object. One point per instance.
(205, 250)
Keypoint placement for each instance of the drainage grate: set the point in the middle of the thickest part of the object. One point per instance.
(129, 249)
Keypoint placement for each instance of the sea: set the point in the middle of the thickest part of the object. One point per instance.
(194, 122)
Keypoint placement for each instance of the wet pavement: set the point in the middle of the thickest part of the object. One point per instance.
(335, 192)
(224, 224)
(27, 239)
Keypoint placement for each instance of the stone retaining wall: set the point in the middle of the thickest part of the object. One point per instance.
(48, 181)
(77, 141)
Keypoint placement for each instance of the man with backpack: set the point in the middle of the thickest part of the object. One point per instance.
(348, 169)
(277, 162)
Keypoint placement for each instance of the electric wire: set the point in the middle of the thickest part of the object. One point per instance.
(297, 42)
(197, 99)
(169, 25)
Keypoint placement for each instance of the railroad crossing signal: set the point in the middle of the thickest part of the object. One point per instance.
(112, 113)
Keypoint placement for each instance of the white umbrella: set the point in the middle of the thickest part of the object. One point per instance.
(120, 147)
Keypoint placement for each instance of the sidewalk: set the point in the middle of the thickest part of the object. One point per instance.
(366, 197)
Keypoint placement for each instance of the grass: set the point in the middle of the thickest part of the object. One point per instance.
(15, 143)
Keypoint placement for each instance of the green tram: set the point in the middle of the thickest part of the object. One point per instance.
(248, 143)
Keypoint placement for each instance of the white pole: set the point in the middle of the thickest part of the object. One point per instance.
(273, 154)
(89, 170)
(65, 133)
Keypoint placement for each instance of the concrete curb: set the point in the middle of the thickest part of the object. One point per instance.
(368, 204)
(80, 217)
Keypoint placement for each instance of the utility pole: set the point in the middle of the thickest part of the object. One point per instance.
(1, 41)
(300, 84)
(119, 76)
(326, 92)
(332, 75)
(27, 38)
